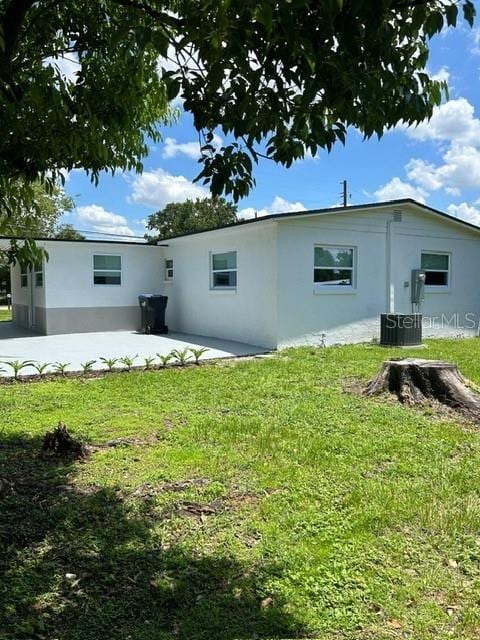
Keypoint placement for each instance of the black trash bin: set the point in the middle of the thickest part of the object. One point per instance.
(153, 308)
(401, 329)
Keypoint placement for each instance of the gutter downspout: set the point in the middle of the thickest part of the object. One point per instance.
(390, 288)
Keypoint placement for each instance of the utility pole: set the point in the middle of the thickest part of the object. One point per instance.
(344, 193)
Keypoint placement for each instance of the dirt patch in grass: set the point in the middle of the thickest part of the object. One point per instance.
(149, 490)
(132, 441)
(219, 505)
(171, 422)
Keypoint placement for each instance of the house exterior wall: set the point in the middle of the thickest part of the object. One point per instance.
(447, 312)
(69, 302)
(246, 314)
(28, 303)
(343, 315)
(275, 302)
(387, 249)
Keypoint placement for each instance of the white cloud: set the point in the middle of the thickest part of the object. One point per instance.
(460, 170)
(93, 217)
(456, 128)
(158, 187)
(443, 74)
(396, 189)
(172, 148)
(453, 121)
(465, 212)
(278, 205)
(423, 174)
(457, 131)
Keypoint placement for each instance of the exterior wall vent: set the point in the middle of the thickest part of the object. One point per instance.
(397, 215)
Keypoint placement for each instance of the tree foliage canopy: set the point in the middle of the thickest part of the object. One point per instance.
(38, 220)
(68, 232)
(98, 119)
(277, 78)
(178, 218)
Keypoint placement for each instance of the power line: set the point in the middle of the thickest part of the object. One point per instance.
(104, 233)
(90, 232)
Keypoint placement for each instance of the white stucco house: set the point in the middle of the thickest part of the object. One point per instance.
(274, 281)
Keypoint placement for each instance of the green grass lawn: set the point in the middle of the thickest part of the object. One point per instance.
(259, 500)
(5, 315)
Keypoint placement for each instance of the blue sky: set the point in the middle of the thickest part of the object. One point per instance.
(437, 163)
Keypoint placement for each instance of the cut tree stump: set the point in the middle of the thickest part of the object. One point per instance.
(60, 444)
(420, 381)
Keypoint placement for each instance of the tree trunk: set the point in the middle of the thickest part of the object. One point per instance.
(418, 381)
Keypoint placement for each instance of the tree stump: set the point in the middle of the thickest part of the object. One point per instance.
(59, 444)
(419, 381)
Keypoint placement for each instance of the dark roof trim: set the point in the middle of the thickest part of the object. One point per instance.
(339, 210)
(119, 242)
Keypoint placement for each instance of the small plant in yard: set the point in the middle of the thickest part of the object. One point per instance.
(128, 361)
(18, 365)
(164, 358)
(40, 367)
(198, 353)
(61, 367)
(148, 362)
(181, 356)
(87, 366)
(110, 362)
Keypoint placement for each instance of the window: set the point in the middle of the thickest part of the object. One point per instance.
(107, 269)
(169, 269)
(224, 270)
(333, 266)
(23, 276)
(38, 272)
(437, 269)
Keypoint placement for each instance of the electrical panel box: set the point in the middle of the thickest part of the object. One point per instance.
(418, 286)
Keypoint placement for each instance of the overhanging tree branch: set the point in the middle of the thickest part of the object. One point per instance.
(12, 24)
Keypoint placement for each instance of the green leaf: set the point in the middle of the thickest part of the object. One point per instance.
(264, 15)
(173, 88)
(469, 12)
(451, 12)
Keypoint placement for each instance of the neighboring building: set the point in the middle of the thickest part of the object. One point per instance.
(274, 281)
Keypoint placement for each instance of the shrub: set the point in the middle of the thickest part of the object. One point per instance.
(149, 360)
(164, 359)
(181, 355)
(60, 367)
(198, 353)
(18, 365)
(128, 361)
(87, 366)
(110, 362)
(40, 367)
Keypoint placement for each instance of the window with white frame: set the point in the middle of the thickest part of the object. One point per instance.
(334, 266)
(107, 269)
(168, 269)
(38, 274)
(224, 270)
(23, 275)
(437, 269)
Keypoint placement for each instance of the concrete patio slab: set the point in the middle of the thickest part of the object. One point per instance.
(75, 348)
